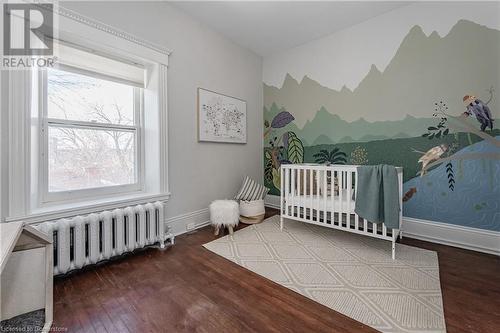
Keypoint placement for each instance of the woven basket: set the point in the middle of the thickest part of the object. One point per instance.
(252, 220)
(252, 212)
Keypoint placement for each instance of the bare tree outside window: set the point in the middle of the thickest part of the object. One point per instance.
(92, 136)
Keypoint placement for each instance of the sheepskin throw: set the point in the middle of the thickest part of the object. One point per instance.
(250, 190)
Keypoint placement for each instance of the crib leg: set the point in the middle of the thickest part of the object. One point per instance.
(393, 249)
(281, 222)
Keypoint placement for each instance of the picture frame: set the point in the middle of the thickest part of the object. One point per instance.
(221, 118)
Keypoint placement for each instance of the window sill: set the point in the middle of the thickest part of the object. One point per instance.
(82, 208)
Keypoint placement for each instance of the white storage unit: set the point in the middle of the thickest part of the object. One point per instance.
(25, 271)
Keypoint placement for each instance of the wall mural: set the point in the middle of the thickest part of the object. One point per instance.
(423, 115)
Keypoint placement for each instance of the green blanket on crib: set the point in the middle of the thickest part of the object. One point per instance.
(377, 195)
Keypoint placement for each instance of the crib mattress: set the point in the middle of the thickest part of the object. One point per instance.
(341, 203)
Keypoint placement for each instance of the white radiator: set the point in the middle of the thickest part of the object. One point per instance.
(85, 240)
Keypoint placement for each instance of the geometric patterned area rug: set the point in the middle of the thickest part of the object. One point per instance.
(351, 274)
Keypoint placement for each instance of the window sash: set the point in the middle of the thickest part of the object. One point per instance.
(45, 196)
(90, 125)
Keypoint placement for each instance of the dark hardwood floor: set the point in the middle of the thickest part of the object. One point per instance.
(189, 289)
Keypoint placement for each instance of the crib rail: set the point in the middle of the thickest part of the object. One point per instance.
(325, 195)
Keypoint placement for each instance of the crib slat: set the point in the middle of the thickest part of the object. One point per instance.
(332, 196)
(282, 195)
(311, 196)
(292, 201)
(304, 192)
(317, 201)
(384, 230)
(365, 225)
(287, 190)
(325, 193)
(298, 197)
(356, 217)
(341, 196)
(348, 199)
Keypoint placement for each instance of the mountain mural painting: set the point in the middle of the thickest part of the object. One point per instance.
(419, 113)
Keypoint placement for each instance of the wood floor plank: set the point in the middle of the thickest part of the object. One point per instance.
(187, 288)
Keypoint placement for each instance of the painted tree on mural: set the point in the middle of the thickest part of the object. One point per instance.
(283, 149)
(334, 156)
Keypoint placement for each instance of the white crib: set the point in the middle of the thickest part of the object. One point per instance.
(324, 195)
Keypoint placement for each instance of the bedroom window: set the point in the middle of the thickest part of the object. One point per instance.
(90, 133)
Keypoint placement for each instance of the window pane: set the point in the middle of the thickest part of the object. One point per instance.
(79, 97)
(81, 158)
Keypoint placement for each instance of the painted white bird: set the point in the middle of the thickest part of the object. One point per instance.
(430, 156)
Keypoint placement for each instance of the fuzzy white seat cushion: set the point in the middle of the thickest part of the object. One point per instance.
(224, 213)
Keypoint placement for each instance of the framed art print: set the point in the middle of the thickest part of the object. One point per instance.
(221, 118)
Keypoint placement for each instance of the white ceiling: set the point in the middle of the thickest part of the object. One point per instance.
(271, 26)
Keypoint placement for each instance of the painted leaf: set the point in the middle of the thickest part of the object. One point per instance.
(268, 170)
(267, 155)
(282, 119)
(295, 148)
(276, 178)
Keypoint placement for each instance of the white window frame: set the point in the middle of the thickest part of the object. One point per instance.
(45, 196)
(22, 147)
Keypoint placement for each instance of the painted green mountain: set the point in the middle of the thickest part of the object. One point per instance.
(424, 69)
(327, 128)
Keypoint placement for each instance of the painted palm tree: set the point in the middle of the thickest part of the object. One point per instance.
(335, 156)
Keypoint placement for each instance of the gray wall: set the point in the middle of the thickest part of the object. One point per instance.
(198, 172)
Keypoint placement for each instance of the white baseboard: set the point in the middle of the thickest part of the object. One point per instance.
(480, 240)
(178, 224)
(272, 201)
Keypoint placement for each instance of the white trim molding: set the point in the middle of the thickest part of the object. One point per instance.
(481, 240)
(179, 224)
(272, 201)
(110, 30)
(87, 208)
